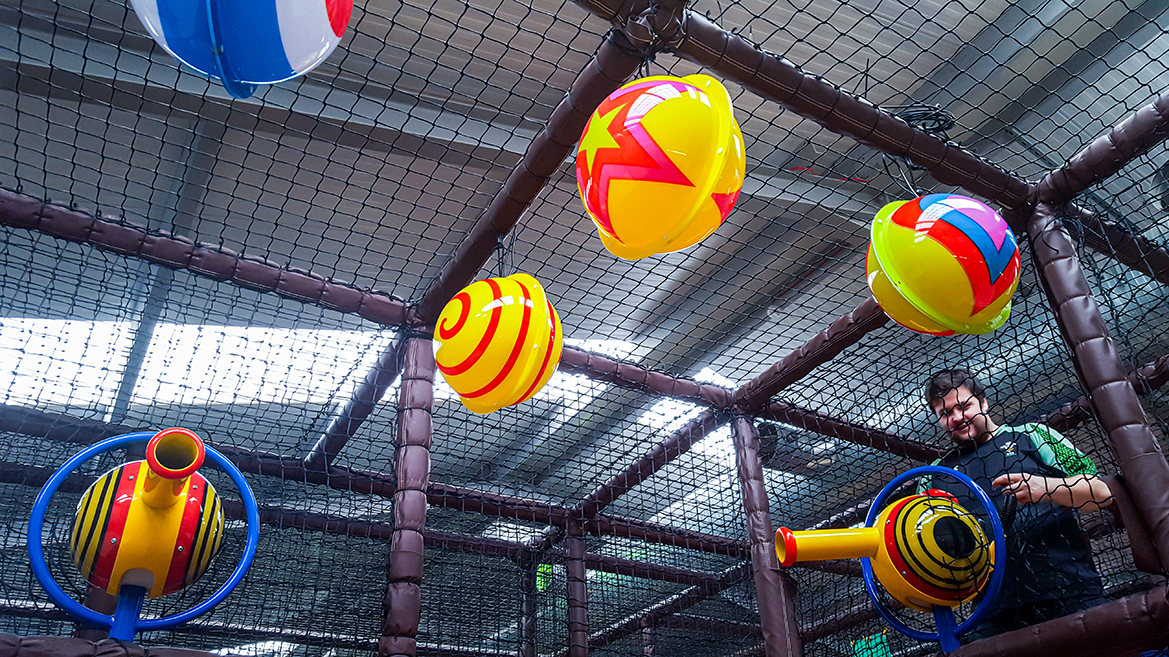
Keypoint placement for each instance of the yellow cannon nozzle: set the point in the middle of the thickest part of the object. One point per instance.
(172, 456)
(824, 544)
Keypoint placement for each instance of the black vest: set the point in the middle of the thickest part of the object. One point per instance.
(1048, 555)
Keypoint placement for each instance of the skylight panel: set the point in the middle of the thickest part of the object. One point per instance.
(717, 447)
(67, 362)
(707, 375)
(670, 414)
(200, 364)
(508, 531)
(619, 349)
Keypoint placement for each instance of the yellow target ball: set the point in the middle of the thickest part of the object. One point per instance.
(660, 164)
(943, 264)
(498, 342)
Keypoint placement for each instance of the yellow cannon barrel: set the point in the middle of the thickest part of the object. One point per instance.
(173, 455)
(825, 544)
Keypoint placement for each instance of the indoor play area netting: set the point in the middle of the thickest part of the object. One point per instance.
(271, 252)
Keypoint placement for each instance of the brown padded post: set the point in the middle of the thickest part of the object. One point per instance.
(774, 587)
(578, 596)
(403, 603)
(1102, 374)
(1144, 551)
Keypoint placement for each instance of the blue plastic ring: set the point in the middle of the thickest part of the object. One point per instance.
(36, 551)
(1000, 550)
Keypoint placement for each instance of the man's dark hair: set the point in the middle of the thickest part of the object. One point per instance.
(941, 383)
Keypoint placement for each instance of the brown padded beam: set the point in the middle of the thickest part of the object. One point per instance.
(1144, 380)
(1127, 626)
(641, 530)
(1133, 251)
(821, 348)
(774, 78)
(607, 71)
(710, 625)
(403, 603)
(811, 97)
(773, 587)
(857, 512)
(675, 445)
(632, 377)
(1108, 153)
(851, 432)
(639, 569)
(319, 522)
(53, 646)
(840, 623)
(65, 428)
(1100, 159)
(35, 477)
(1101, 373)
(215, 263)
(21, 211)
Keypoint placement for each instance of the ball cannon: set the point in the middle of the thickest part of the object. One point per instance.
(145, 529)
(157, 523)
(928, 552)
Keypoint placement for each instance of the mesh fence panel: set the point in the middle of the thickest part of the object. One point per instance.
(370, 171)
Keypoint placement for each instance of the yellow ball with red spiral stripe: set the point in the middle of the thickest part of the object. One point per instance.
(498, 342)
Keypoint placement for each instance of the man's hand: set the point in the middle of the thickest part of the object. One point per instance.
(1082, 492)
(1027, 488)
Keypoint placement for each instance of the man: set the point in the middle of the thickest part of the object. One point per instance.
(1049, 568)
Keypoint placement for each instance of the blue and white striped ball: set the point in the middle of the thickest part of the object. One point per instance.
(263, 41)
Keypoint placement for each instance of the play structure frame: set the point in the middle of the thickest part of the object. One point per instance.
(641, 30)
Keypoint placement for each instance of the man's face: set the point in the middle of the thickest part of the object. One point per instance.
(963, 416)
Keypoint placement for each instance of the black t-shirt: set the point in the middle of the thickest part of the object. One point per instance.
(1048, 554)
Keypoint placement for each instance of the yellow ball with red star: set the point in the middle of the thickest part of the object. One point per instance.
(660, 164)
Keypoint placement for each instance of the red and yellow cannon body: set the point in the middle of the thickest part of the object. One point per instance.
(156, 523)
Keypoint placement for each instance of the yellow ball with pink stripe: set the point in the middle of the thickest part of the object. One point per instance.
(498, 342)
